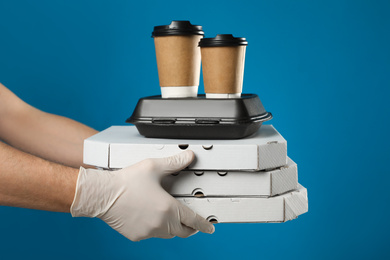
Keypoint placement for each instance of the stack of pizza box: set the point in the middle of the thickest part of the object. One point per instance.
(230, 181)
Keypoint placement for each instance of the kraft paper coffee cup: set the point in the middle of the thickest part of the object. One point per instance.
(178, 58)
(223, 59)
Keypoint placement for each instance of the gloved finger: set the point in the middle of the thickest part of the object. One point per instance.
(189, 218)
(166, 236)
(183, 231)
(174, 163)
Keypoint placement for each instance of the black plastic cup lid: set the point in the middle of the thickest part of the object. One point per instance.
(222, 40)
(177, 28)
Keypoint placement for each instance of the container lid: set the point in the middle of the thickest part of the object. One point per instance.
(177, 28)
(223, 40)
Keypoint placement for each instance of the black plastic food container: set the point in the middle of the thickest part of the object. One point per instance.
(199, 118)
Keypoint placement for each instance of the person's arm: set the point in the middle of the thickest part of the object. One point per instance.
(48, 136)
(30, 182)
(130, 200)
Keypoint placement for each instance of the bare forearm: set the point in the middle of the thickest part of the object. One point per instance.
(31, 182)
(48, 136)
(55, 138)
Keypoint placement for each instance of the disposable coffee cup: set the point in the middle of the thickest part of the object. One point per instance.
(223, 59)
(178, 58)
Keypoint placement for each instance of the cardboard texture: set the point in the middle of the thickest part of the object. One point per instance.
(223, 69)
(178, 60)
(280, 208)
(121, 146)
(233, 183)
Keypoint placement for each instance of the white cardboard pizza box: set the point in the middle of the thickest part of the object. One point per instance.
(121, 146)
(279, 208)
(233, 183)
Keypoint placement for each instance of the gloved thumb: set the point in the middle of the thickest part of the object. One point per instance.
(175, 163)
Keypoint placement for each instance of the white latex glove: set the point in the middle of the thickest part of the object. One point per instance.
(132, 201)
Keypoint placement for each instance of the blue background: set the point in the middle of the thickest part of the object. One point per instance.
(321, 67)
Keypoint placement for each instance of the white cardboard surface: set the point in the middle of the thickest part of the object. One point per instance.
(233, 183)
(280, 208)
(121, 146)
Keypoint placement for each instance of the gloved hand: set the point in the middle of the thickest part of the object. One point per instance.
(132, 201)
